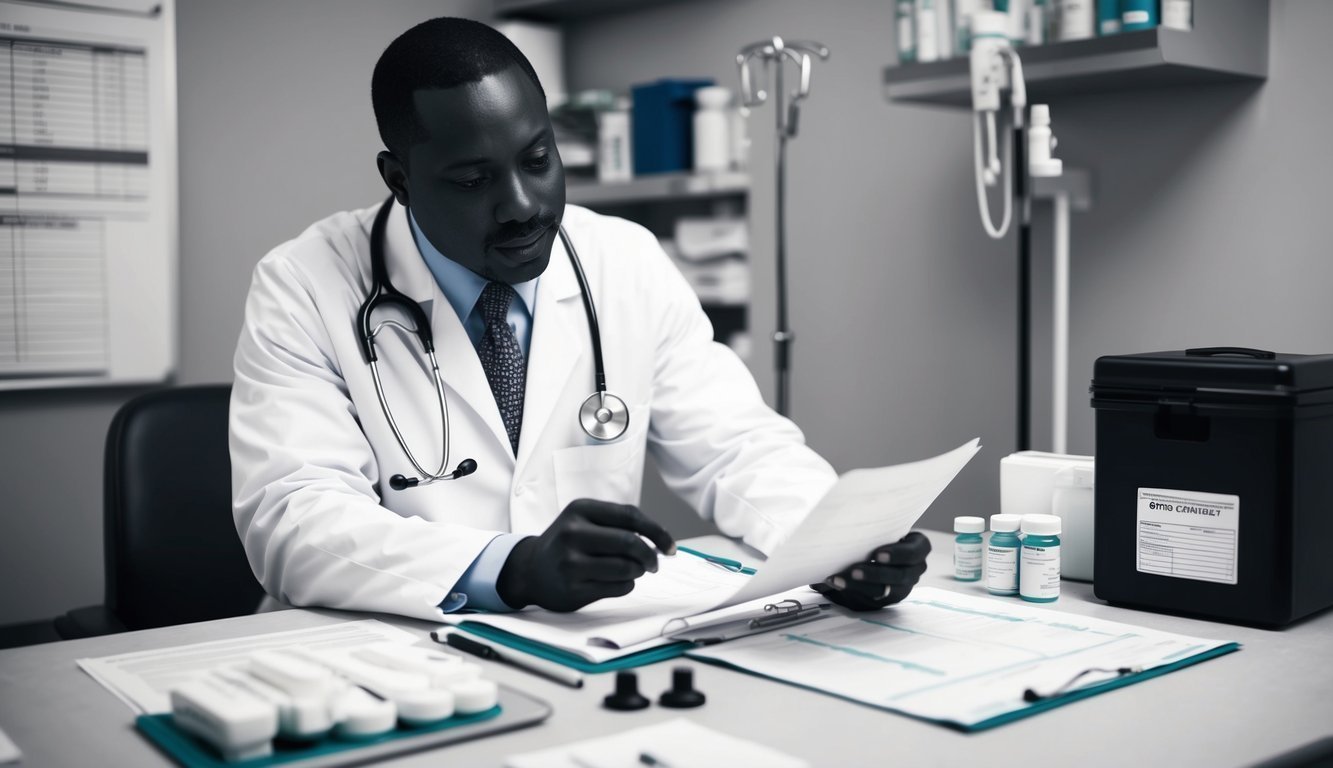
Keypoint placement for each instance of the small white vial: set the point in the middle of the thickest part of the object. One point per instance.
(1039, 559)
(1002, 555)
(968, 547)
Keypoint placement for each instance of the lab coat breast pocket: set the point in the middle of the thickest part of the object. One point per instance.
(604, 471)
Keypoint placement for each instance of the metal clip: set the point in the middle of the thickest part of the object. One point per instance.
(788, 611)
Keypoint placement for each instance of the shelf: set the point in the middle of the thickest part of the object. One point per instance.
(1228, 44)
(659, 187)
(563, 10)
(1074, 182)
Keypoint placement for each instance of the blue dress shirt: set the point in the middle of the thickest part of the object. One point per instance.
(462, 287)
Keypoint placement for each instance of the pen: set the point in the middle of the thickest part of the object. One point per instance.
(647, 758)
(527, 662)
(725, 562)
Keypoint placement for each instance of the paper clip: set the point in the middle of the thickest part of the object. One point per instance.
(788, 611)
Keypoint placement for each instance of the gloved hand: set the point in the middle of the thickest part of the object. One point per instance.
(591, 551)
(886, 577)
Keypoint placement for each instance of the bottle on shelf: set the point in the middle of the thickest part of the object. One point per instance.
(712, 129)
(614, 158)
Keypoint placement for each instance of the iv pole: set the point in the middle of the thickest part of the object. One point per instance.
(786, 113)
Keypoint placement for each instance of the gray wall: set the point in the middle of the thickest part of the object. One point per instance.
(1207, 230)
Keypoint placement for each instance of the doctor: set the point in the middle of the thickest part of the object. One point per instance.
(495, 484)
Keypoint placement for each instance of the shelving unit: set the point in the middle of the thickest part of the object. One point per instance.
(1229, 43)
(659, 187)
(561, 10)
(657, 201)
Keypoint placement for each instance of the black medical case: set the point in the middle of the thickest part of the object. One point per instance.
(1214, 483)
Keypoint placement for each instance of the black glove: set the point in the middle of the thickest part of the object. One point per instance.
(886, 577)
(591, 551)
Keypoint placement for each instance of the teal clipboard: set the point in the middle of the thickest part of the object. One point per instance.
(637, 659)
(1022, 712)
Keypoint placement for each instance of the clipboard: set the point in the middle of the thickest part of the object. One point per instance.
(779, 615)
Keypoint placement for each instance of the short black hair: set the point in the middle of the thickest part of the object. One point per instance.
(440, 53)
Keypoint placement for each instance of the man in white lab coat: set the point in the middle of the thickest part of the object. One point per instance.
(538, 511)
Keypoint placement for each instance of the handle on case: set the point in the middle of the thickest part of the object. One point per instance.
(1257, 354)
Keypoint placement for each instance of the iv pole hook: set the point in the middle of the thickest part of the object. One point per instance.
(775, 54)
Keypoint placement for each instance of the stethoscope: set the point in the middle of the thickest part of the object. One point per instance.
(603, 415)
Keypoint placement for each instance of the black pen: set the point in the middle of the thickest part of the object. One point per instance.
(527, 662)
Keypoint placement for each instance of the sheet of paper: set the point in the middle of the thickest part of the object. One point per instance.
(613, 627)
(866, 508)
(142, 679)
(9, 751)
(678, 743)
(953, 658)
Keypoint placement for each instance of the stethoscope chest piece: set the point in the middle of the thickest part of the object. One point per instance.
(604, 416)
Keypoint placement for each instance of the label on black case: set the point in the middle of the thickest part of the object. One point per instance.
(1188, 534)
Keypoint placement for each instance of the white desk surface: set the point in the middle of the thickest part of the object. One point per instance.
(1272, 696)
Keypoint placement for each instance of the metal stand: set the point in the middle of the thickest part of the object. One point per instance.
(786, 113)
(1023, 207)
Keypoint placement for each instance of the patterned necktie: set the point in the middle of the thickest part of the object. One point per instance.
(502, 357)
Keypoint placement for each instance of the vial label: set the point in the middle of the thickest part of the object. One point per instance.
(967, 561)
(1039, 572)
(1188, 534)
(1002, 570)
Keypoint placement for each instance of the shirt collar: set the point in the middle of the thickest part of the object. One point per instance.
(461, 286)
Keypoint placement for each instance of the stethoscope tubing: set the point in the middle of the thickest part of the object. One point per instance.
(606, 421)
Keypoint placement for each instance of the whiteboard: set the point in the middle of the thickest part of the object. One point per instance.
(88, 205)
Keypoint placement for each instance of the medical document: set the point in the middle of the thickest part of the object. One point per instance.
(957, 658)
(143, 679)
(678, 743)
(866, 508)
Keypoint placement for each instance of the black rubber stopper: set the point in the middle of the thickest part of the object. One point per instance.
(682, 694)
(626, 697)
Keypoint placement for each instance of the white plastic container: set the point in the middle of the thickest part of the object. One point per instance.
(1178, 14)
(1073, 504)
(1076, 20)
(614, 160)
(927, 44)
(712, 129)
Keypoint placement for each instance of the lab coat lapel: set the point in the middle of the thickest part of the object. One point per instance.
(464, 380)
(559, 336)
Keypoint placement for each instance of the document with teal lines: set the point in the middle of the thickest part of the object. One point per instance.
(963, 660)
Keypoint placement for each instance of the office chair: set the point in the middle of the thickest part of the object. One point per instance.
(172, 552)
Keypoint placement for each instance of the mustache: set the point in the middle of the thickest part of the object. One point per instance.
(519, 230)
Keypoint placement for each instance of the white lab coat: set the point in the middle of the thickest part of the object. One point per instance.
(312, 452)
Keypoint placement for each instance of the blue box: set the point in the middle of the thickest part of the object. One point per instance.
(663, 125)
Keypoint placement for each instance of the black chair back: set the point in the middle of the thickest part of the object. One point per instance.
(172, 552)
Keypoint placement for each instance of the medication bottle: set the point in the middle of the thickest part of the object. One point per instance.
(614, 160)
(927, 42)
(1002, 555)
(967, 548)
(1039, 559)
(1108, 17)
(1076, 20)
(712, 129)
(1137, 14)
(904, 12)
(1178, 14)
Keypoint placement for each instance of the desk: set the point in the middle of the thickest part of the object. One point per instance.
(1273, 695)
